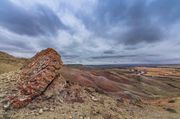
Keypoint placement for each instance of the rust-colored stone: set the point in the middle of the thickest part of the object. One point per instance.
(36, 76)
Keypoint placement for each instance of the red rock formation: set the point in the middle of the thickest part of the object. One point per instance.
(36, 76)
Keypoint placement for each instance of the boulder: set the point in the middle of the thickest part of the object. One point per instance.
(36, 76)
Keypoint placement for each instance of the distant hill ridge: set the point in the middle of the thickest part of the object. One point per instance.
(9, 62)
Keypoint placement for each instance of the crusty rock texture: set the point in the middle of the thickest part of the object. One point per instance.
(36, 76)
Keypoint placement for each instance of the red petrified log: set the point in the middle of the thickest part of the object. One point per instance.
(36, 76)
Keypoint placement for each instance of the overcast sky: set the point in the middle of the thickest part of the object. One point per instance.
(93, 31)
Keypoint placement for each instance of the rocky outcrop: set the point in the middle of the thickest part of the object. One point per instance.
(36, 76)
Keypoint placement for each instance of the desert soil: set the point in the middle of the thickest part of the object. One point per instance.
(103, 93)
(95, 106)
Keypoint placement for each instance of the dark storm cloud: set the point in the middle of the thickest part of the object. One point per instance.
(70, 56)
(142, 33)
(142, 21)
(16, 49)
(111, 11)
(125, 56)
(141, 27)
(37, 21)
(100, 31)
(14, 43)
(166, 10)
(107, 13)
(114, 56)
(109, 52)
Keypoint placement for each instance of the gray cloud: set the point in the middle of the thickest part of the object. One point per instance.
(70, 56)
(109, 52)
(143, 22)
(142, 33)
(123, 56)
(99, 31)
(141, 27)
(166, 10)
(113, 57)
(38, 21)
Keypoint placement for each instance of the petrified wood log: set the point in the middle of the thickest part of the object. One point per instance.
(36, 76)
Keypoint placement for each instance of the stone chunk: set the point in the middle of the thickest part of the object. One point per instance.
(36, 76)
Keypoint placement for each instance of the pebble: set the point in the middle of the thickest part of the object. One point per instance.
(94, 99)
(41, 111)
(70, 117)
(45, 109)
(32, 107)
(36, 114)
(81, 117)
(6, 105)
(6, 116)
(2, 95)
(32, 112)
(51, 109)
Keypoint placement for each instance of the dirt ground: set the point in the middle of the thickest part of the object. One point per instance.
(94, 106)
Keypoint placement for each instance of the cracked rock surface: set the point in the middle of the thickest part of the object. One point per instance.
(35, 77)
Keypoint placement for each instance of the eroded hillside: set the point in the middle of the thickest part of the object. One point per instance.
(70, 93)
(10, 63)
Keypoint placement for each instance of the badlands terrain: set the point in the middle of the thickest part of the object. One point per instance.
(44, 88)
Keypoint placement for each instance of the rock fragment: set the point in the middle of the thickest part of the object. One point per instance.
(36, 76)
